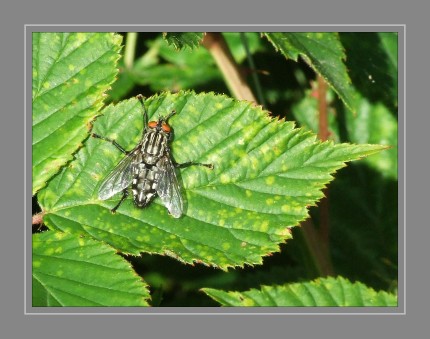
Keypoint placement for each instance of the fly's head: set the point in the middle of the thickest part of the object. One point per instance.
(161, 126)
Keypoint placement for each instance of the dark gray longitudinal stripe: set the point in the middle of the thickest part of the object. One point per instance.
(154, 144)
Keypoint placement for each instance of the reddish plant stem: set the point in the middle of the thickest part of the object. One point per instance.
(37, 219)
(317, 251)
(317, 239)
(323, 133)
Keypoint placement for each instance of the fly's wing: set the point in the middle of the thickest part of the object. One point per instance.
(120, 177)
(168, 187)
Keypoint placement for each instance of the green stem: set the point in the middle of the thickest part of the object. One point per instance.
(253, 70)
(130, 49)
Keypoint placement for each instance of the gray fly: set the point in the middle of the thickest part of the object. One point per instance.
(149, 169)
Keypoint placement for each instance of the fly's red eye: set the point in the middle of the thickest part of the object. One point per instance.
(152, 124)
(166, 128)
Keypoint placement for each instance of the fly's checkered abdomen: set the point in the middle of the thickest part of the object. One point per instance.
(144, 184)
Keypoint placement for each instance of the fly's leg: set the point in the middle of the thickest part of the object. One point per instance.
(141, 98)
(192, 163)
(113, 142)
(124, 196)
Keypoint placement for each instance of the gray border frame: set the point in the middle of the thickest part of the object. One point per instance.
(400, 309)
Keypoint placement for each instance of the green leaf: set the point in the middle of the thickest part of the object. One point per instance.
(373, 66)
(320, 292)
(123, 85)
(390, 47)
(164, 68)
(267, 174)
(71, 72)
(324, 53)
(373, 123)
(236, 45)
(69, 270)
(183, 40)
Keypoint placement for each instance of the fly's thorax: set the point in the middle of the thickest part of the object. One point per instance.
(154, 145)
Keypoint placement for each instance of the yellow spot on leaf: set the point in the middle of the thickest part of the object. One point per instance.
(224, 178)
(49, 251)
(81, 37)
(191, 109)
(270, 180)
(264, 226)
(194, 140)
(248, 302)
(59, 235)
(265, 149)
(81, 242)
